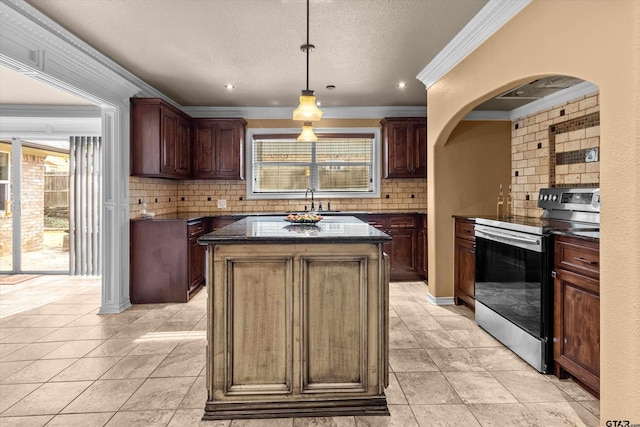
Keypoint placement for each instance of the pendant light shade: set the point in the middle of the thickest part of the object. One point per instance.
(307, 111)
(307, 134)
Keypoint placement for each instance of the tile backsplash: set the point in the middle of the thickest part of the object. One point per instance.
(556, 147)
(164, 196)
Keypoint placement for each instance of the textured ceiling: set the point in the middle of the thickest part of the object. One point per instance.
(16, 88)
(189, 49)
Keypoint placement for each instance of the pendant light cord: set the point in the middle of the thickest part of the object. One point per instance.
(308, 46)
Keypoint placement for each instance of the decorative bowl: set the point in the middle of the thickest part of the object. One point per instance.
(307, 218)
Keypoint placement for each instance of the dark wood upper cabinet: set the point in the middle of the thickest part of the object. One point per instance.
(160, 140)
(404, 142)
(218, 148)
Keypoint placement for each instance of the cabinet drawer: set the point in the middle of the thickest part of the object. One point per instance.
(465, 229)
(403, 221)
(578, 255)
(195, 228)
(377, 221)
(222, 222)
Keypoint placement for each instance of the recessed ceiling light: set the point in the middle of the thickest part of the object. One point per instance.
(331, 87)
(229, 86)
(402, 85)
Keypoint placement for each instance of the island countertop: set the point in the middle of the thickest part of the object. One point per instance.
(274, 229)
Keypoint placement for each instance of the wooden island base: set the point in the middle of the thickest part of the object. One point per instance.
(319, 408)
(297, 322)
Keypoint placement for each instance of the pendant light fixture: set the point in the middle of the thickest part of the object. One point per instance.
(307, 111)
(307, 134)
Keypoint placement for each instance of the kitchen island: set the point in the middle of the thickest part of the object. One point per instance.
(297, 319)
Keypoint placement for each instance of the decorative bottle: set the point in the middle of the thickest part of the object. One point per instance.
(508, 212)
(500, 204)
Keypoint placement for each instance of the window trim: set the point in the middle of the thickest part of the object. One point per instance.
(251, 132)
(6, 182)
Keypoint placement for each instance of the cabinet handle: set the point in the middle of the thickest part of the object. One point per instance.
(585, 261)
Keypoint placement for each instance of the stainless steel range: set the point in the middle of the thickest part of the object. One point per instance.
(514, 260)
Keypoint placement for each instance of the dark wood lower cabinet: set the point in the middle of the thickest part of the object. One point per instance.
(464, 262)
(167, 264)
(576, 344)
(407, 249)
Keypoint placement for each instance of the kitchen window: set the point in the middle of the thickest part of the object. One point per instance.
(343, 163)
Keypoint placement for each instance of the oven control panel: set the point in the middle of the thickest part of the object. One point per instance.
(570, 199)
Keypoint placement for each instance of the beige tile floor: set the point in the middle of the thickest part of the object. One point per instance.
(61, 364)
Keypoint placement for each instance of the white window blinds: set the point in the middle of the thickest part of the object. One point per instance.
(336, 164)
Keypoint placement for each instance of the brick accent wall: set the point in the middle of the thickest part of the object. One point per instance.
(33, 209)
(6, 239)
(196, 194)
(548, 149)
(32, 202)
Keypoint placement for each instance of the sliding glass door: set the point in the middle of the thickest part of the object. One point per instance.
(35, 219)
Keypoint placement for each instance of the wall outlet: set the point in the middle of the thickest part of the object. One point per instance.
(222, 203)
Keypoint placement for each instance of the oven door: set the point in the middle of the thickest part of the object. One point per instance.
(514, 297)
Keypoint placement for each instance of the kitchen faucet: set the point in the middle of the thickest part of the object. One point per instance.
(313, 207)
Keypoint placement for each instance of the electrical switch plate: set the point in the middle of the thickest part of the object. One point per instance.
(222, 203)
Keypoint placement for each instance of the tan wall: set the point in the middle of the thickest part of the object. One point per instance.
(405, 195)
(534, 149)
(599, 41)
(473, 163)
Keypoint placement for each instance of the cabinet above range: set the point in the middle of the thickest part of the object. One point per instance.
(167, 143)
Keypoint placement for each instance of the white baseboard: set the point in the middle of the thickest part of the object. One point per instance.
(439, 300)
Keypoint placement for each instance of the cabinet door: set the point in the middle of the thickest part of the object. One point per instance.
(577, 327)
(196, 263)
(204, 160)
(183, 149)
(465, 253)
(403, 253)
(228, 151)
(399, 150)
(168, 143)
(420, 149)
(218, 149)
(423, 251)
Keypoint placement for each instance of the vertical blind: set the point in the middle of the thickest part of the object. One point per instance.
(85, 195)
(334, 164)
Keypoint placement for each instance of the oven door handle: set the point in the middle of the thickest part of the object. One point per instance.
(528, 243)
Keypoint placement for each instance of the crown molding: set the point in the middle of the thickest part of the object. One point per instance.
(328, 112)
(553, 100)
(28, 110)
(488, 115)
(549, 101)
(49, 128)
(490, 19)
(33, 44)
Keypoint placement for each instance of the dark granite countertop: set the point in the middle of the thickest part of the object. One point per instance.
(192, 216)
(593, 235)
(273, 229)
(537, 225)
